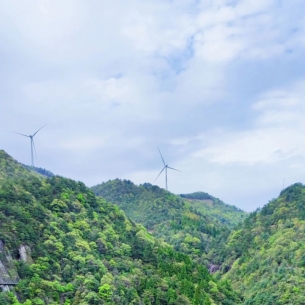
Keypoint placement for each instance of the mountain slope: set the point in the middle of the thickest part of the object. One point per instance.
(215, 208)
(42, 171)
(71, 247)
(266, 255)
(165, 215)
(9, 168)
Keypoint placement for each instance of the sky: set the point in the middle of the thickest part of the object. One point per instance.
(217, 85)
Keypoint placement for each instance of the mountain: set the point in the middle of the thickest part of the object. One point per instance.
(9, 168)
(215, 208)
(265, 257)
(175, 219)
(64, 245)
(39, 170)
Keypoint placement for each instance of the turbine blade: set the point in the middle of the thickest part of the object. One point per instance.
(39, 129)
(174, 169)
(34, 149)
(21, 134)
(161, 156)
(160, 173)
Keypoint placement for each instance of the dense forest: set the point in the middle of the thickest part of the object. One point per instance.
(261, 253)
(215, 208)
(63, 243)
(39, 170)
(265, 256)
(80, 249)
(170, 217)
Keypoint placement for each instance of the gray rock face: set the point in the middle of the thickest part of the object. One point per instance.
(25, 254)
(213, 268)
(5, 288)
(4, 275)
(1, 246)
(8, 272)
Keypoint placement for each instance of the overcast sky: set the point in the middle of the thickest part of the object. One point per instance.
(218, 85)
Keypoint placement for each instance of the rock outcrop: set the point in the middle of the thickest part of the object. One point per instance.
(8, 272)
(25, 254)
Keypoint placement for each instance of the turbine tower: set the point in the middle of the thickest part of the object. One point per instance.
(32, 142)
(165, 168)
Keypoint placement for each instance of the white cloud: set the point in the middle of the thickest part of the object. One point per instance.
(251, 7)
(84, 144)
(111, 89)
(43, 24)
(263, 145)
(218, 44)
(277, 133)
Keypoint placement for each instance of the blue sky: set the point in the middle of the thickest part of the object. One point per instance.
(218, 85)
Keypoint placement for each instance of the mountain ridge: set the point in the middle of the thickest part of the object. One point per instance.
(265, 256)
(166, 216)
(83, 250)
(206, 203)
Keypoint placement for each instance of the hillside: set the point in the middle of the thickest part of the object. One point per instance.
(9, 168)
(39, 170)
(265, 257)
(166, 216)
(215, 208)
(73, 248)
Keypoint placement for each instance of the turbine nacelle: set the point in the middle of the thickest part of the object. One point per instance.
(32, 142)
(165, 167)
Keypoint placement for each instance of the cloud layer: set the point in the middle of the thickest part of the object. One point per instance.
(217, 84)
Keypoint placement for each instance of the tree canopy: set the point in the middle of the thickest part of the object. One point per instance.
(84, 250)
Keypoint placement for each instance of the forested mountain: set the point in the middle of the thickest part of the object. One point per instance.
(167, 216)
(215, 208)
(266, 255)
(263, 256)
(39, 170)
(73, 248)
(65, 245)
(9, 168)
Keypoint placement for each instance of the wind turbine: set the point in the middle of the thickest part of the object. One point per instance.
(165, 168)
(32, 142)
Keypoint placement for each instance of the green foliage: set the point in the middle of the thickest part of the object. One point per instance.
(215, 208)
(85, 251)
(39, 170)
(178, 221)
(9, 168)
(198, 196)
(264, 257)
(105, 292)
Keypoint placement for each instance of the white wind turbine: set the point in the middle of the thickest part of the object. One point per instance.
(165, 168)
(32, 142)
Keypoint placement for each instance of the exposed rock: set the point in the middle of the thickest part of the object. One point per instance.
(4, 275)
(8, 272)
(25, 254)
(1, 246)
(213, 268)
(4, 288)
